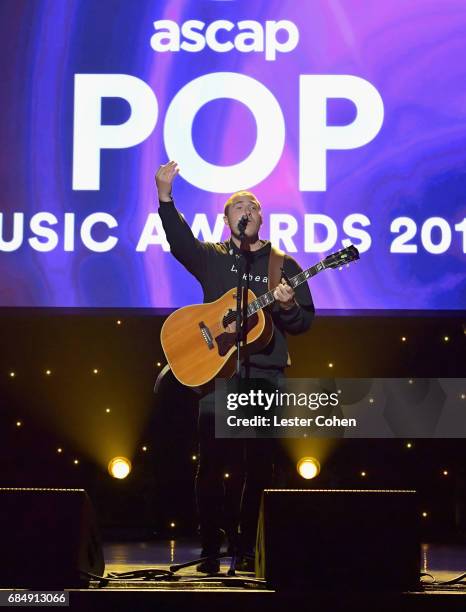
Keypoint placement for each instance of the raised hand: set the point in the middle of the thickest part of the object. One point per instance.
(164, 178)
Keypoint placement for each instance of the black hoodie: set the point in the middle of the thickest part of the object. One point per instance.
(215, 265)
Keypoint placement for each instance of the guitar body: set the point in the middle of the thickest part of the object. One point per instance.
(200, 344)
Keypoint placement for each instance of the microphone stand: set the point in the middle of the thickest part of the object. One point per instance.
(241, 336)
(241, 304)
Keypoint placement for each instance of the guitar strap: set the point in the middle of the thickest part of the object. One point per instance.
(276, 263)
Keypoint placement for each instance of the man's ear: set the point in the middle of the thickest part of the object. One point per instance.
(226, 220)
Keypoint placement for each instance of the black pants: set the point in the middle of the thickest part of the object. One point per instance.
(231, 476)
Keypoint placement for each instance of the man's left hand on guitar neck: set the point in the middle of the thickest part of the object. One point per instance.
(284, 295)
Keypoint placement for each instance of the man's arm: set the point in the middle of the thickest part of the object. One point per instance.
(184, 246)
(297, 316)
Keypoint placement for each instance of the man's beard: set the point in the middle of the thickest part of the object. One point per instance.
(248, 237)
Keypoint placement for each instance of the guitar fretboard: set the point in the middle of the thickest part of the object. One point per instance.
(267, 298)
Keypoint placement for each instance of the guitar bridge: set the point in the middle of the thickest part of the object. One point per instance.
(205, 332)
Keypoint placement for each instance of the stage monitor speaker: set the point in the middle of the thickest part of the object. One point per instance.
(361, 540)
(48, 537)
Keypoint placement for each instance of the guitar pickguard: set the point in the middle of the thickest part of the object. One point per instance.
(227, 339)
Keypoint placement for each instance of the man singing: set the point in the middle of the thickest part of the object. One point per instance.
(248, 463)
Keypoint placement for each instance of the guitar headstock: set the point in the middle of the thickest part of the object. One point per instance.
(340, 258)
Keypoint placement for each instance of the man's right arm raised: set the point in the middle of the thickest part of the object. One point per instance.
(185, 247)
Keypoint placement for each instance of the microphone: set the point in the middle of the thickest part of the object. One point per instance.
(242, 223)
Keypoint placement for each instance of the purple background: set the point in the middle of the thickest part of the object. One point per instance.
(412, 52)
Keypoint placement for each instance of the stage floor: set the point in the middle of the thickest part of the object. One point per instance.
(122, 557)
(195, 592)
(443, 562)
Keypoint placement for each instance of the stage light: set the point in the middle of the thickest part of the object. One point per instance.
(76, 461)
(118, 322)
(371, 400)
(59, 450)
(95, 371)
(158, 364)
(144, 448)
(48, 372)
(411, 381)
(12, 374)
(446, 338)
(308, 467)
(18, 423)
(330, 365)
(409, 445)
(107, 410)
(172, 524)
(403, 338)
(424, 514)
(463, 396)
(363, 474)
(445, 472)
(227, 475)
(194, 457)
(119, 467)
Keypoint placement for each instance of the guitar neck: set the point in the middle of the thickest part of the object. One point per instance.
(267, 298)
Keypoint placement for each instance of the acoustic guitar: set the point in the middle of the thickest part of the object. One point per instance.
(199, 341)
